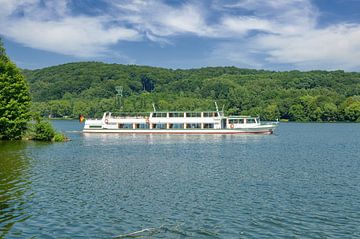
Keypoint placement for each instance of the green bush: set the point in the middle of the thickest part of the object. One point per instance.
(60, 137)
(43, 131)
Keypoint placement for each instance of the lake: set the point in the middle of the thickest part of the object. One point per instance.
(301, 182)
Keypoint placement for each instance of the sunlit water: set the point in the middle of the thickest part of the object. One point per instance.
(301, 182)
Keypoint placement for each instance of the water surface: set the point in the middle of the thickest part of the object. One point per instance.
(301, 182)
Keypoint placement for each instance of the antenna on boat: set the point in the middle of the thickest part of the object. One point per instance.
(119, 95)
(217, 108)
(153, 105)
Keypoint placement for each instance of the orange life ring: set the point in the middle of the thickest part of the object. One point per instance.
(231, 126)
(106, 121)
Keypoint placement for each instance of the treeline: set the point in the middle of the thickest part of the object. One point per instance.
(88, 88)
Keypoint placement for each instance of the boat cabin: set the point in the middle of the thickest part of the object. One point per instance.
(177, 120)
(235, 122)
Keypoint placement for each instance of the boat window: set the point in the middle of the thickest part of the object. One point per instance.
(159, 126)
(176, 115)
(208, 126)
(193, 114)
(143, 126)
(125, 126)
(193, 126)
(176, 126)
(159, 115)
(236, 121)
(250, 121)
(95, 126)
(210, 114)
(233, 121)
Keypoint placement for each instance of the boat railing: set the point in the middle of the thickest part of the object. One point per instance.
(130, 114)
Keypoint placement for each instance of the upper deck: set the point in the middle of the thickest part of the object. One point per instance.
(165, 114)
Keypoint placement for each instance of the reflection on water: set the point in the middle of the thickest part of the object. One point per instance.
(14, 185)
(302, 182)
(115, 138)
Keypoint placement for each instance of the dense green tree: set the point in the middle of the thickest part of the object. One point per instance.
(271, 112)
(309, 107)
(297, 113)
(89, 88)
(329, 112)
(14, 99)
(352, 112)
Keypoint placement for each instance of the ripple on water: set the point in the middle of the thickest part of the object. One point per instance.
(301, 182)
(14, 185)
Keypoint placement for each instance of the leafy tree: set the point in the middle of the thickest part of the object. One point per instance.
(271, 112)
(309, 106)
(14, 99)
(147, 83)
(297, 113)
(330, 112)
(352, 112)
(88, 88)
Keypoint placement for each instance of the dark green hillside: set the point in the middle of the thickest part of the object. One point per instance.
(89, 88)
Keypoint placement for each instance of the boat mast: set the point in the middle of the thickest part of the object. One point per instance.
(217, 109)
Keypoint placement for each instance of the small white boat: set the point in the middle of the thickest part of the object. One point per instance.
(209, 122)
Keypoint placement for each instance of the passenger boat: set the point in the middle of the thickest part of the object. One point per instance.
(209, 122)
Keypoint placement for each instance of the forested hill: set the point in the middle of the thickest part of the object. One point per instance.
(89, 88)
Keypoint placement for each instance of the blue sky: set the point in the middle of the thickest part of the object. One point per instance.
(261, 34)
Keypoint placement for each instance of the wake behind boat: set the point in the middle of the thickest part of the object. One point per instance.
(174, 122)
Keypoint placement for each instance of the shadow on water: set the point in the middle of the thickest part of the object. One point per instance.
(14, 184)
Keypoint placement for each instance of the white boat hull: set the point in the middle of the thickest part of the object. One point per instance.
(266, 129)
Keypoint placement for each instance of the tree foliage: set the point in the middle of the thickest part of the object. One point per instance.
(43, 131)
(14, 99)
(88, 88)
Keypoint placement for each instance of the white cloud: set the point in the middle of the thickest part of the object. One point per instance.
(280, 31)
(330, 48)
(50, 25)
(80, 36)
(162, 20)
(290, 36)
(242, 25)
(186, 19)
(51, 28)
